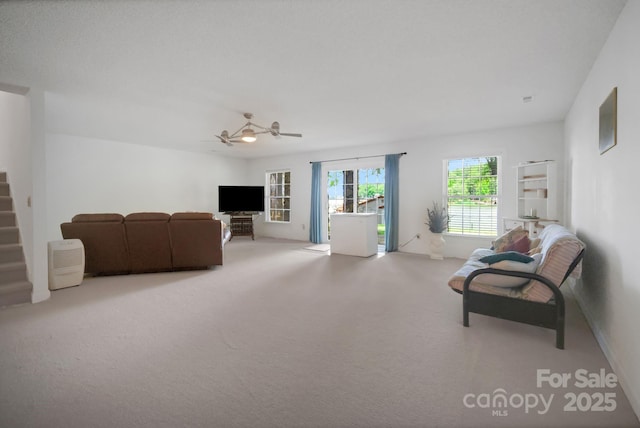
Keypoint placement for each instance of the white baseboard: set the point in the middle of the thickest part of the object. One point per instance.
(40, 296)
(632, 395)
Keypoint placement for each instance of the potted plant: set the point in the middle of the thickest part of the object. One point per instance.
(437, 220)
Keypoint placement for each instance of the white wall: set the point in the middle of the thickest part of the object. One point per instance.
(15, 159)
(88, 175)
(421, 177)
(602, 202)
(37, 101)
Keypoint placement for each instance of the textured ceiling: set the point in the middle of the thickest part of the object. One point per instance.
(174, 73)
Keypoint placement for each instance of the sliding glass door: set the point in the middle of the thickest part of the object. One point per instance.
(356, 191)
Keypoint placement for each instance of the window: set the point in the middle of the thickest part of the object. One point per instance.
(472, 195)
(279, 201)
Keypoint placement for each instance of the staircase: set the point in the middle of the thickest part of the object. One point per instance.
(14, 286)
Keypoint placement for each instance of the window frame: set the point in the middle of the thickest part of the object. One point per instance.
(285, 207)
(497, 196)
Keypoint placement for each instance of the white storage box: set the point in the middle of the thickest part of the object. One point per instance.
(66, 263)
(354, 234)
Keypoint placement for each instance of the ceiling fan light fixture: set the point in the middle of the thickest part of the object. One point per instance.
(248, 136)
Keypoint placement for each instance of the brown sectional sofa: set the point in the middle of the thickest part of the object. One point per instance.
(147, 242)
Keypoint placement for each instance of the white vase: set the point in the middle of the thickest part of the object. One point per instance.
(437, 246)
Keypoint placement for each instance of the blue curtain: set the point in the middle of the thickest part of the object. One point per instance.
(315, 227)
(391, 190)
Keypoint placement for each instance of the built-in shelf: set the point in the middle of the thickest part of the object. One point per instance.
(537, 191)
(536, 196)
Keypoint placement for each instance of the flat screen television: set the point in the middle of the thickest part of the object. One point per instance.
(240, 198)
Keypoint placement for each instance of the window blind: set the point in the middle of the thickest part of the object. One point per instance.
(472, 195)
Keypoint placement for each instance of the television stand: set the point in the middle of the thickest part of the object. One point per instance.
(241, 224)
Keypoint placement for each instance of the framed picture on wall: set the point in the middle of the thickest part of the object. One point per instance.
(608, 121)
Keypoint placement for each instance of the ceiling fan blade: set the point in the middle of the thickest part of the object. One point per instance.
(287, 134)
(224, 139)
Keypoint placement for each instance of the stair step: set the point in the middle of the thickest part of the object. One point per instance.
(6, 203)
(14, 286)
(12, 272)
(7, 219)
(15, 293)
(9, 235)
(10, 253)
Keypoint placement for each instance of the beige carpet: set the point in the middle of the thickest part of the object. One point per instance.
(284, 337)
(318, 247)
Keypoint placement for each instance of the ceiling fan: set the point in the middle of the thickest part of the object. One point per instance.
(247, 133)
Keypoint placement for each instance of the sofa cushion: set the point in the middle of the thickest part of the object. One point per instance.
(104, 239)
(192, 216)
(196, 240)
(147, 217)
(149, 242)
(105, 218)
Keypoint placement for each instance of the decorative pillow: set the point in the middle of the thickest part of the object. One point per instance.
(522, 245)
(535, 247)
(533, 251)
(509, 238)
(504, 281)
(513, 256)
